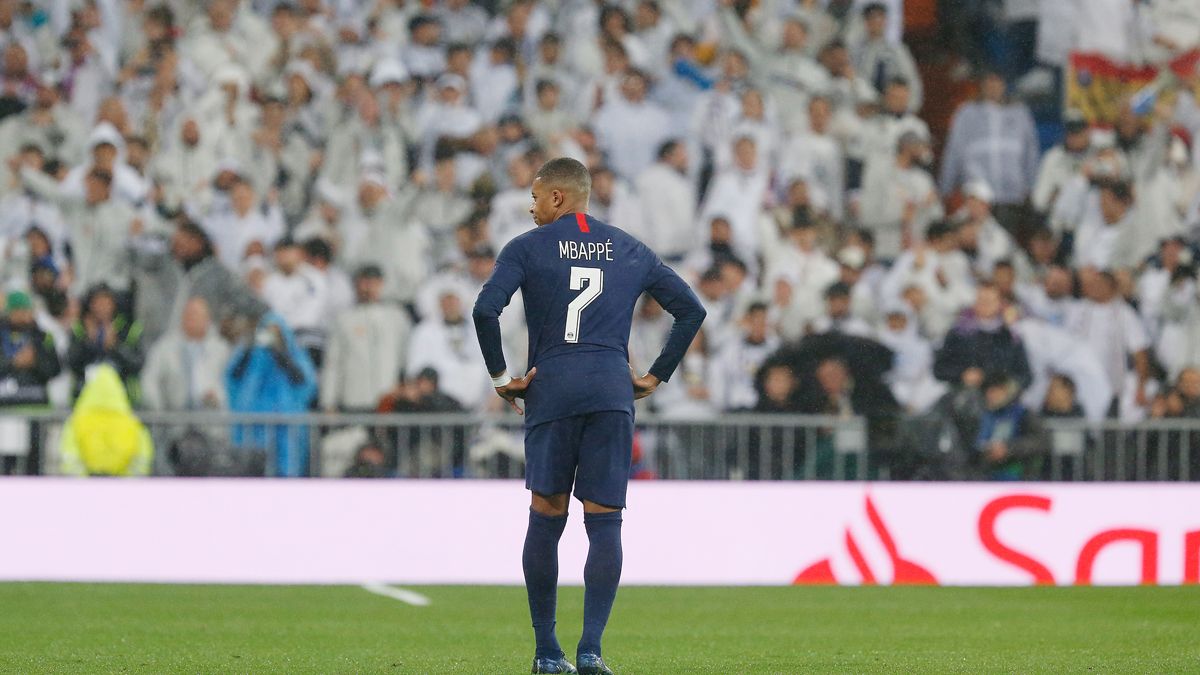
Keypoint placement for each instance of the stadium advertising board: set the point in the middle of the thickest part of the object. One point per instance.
(470, 532)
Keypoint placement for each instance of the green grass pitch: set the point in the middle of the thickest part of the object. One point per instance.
(112, 628)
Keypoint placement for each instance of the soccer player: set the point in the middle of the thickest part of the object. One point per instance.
(580, 279)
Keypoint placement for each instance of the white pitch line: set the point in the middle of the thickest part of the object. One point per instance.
(402, 594)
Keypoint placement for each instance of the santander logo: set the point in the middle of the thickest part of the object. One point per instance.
(905, 571)
(1147, 540)
(1037, 540)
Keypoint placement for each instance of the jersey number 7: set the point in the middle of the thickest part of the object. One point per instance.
(594, 278)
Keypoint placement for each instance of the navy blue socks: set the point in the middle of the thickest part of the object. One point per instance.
(540, 560)
(601, 574)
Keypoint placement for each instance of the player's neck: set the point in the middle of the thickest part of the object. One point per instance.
(568, 208)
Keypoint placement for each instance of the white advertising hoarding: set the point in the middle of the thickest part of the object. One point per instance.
(679, 533)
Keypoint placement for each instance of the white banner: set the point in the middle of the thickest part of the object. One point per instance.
(471, 532)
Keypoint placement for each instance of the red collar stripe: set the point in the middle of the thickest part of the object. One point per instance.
(582, 220)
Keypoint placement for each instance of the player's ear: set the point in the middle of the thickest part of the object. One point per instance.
(558, 197)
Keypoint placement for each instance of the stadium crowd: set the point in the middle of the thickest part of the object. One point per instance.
(265, 205)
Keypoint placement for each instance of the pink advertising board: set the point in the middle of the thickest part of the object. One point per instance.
(470, 532)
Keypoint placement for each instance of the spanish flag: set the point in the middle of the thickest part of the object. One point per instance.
(1099, 86)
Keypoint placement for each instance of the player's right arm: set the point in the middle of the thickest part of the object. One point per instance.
(677, 298)
(506, 278)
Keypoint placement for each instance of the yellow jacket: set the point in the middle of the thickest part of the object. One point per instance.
(102, 436)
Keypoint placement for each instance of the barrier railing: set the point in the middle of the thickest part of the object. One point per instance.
(455, 445)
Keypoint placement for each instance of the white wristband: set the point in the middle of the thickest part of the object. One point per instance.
(501, 381)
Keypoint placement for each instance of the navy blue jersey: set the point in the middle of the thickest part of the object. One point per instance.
(580, 279)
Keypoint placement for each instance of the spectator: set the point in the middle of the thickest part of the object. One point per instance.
(737, 194)
(1187, 388)
(837, 317)
(248, 227)
(1103, 234)
(53, 127)
(419, 394)
(816, 156)
(392, 239)
(441, 206)
(367, 344)
(493, 79)
(1061, 401)
(1168, 194)
(424, 56)
(984, 241)
(1061, 162)
(509, 212)
(714, 294)
(548, 120)
(269, 373)
(777, 386)
(864, 293)
(369, 462)
(102, 437)
(30, 360)
(882, 59)
(836, 394)
(105, 334)
(911, 377)
(319, 256)
(981, 343)
(1105, 322)
(899, 199)
(735, 367)
(462, 21)
(1052, 300)
(940, 272)
(805, 268)
(1161, 271)
(99, 227)
(873, 140)
(185, 168)
(994, 140)
(446, 343)
(669, 203)
(614, 201)
(299, 294)
(327, 219)
(107, 150)
(185, 368)
(445, 116)
(182, 267)
(787, 69)
(1011, 443)
(631, 128)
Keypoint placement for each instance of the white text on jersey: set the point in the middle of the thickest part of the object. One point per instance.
(585, 250)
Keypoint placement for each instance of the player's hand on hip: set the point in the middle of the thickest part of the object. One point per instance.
(516, 389)
(644, 385)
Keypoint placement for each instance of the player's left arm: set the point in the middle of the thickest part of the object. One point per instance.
(677, 298)
(497, 292)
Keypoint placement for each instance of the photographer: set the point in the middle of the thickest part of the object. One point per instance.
(271, 373)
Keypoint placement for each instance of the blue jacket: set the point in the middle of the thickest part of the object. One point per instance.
(257, 381)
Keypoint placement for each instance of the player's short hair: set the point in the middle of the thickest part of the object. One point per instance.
(567, 174)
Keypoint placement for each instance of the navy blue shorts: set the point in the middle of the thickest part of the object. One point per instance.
(591, 452)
